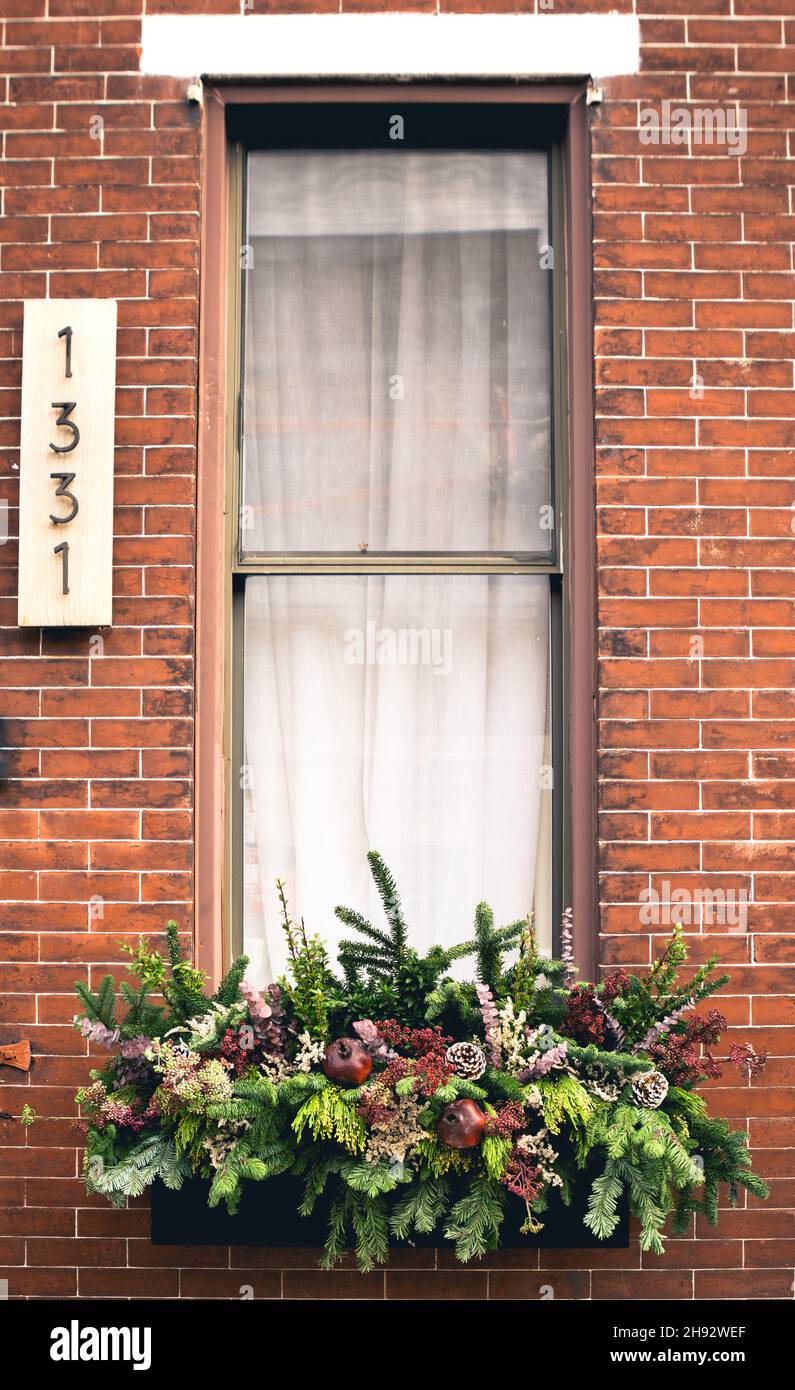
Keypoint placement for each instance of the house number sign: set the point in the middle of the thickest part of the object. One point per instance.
(66, 463)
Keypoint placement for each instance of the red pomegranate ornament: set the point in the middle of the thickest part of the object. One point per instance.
(461, 1125)
(347, 1061)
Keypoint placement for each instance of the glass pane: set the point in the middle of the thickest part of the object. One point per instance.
(407, 714)
(397, 353)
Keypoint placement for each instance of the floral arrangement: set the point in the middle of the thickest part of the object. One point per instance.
(421, 1101)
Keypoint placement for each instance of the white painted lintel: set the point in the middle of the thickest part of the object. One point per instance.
(391, 45)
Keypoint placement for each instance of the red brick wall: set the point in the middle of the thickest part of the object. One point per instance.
(693, 266)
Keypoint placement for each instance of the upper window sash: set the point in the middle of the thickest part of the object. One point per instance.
(439, 262)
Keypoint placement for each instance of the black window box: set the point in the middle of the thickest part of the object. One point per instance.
(268, 1215)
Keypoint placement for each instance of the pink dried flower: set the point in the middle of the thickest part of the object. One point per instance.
(545, 1062)
(567, 944)
(663, 1025)
(98, 1033)
(491, 1023)
(376, 1045)
(258, 1008)
(266, 1016)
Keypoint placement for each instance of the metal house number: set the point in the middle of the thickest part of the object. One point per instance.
(64, 479)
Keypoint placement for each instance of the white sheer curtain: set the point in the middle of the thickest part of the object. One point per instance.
(396, 364)
(396, 400)
(429, 749)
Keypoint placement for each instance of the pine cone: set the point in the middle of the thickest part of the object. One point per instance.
(650, 1089)
(467, 1060)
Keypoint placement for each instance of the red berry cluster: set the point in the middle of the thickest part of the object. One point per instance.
(373, 1109)
(678, 1055)
(426, 1061)
(233, 1053)
(418, 1042)
(745, 1058)
(508, 1119)
(584, 1021)
(613, 985)
(585, 1018)
(429, 1071)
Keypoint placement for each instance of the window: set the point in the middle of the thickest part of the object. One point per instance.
(398, 589)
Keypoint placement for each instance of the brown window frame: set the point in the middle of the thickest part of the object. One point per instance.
(217, 442)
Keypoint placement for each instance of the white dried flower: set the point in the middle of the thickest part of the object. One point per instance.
(511, 1037)
(309, 1054)
(392, 1137)
(542, 1154)
(220, 1145)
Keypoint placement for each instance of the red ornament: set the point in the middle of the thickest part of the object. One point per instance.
(461, 1125)
(347, 1061)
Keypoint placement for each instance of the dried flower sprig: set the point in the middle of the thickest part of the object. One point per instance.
(567, 944)
(488, 1011)
(745, 1058)
(663, 1025)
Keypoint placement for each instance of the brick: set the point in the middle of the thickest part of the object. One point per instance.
(140, 793)
(347, 1284)
(743, 1284)
(128, 1283)
(92, 824)
(44, 673)
(425, 1285)
(41, 1283)
(141, 854)
(150, 671)
(147, 733)
(227, 1283)
(645, 1284)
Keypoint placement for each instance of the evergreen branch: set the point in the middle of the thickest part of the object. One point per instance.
(153, 1157)
(608, 1061)
(372, 1179)
(390, 898)
(421, 1209)
(99, 1007)
(364, 957)
(228, 992)
(336, 1241)
(476, 1218)
(371, 1228)
(349, 918)
(326, 1116)
(316, 1180)
(488, 955)
(602, 1214)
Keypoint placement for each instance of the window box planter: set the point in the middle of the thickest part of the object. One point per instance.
(269, 1215)
(488, 1129)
